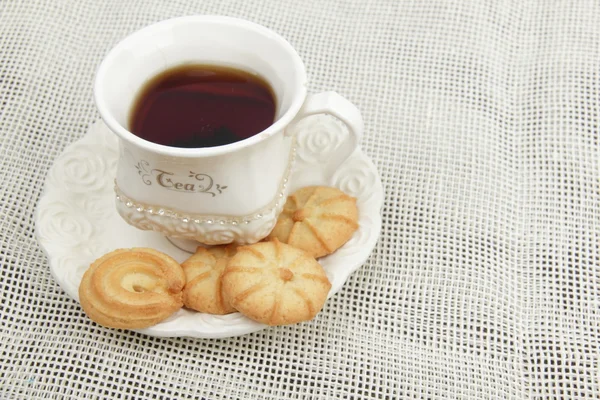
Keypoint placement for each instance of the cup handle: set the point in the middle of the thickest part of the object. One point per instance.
(333, 104)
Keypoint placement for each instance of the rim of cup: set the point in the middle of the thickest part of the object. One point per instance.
(277, 126)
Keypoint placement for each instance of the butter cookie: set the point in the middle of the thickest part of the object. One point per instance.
(317, 219)
(276, 284)
(204, 271)
(132, 288)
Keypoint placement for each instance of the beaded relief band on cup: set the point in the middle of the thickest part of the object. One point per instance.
(200, 218)
(187, 225)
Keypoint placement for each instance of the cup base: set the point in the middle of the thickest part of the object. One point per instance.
(187, 245)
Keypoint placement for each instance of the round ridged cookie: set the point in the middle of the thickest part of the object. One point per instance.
(132, 288)
(317, 219)
(204, 271)
(276, 284)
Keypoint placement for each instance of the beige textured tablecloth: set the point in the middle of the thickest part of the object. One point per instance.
(482, 119)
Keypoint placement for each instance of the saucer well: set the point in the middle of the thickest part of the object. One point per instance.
(77, 221)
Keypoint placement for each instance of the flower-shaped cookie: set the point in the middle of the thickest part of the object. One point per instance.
(276, 284)
(204, 271)
(317, 219)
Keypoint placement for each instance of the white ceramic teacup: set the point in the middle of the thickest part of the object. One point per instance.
(214, 195)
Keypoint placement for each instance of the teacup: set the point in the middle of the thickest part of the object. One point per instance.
(213, 195)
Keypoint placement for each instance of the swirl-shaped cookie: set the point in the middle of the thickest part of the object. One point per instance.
(276, 284)
(317, 219)
(132, 288)
(203, 272)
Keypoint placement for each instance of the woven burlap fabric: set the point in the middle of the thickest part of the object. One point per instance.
(482, 119)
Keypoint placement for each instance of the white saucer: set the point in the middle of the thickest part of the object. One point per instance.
(77, 222)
